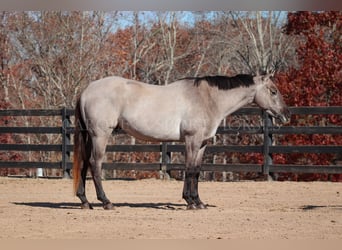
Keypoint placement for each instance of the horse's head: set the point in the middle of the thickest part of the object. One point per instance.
(269, 98)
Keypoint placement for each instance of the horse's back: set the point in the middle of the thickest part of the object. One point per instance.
(110, 86)
(103, 87)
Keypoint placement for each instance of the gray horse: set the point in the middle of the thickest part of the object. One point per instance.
(188, 110)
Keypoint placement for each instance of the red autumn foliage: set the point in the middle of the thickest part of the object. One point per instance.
(316, 82)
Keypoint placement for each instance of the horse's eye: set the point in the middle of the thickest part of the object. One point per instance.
(273, 91)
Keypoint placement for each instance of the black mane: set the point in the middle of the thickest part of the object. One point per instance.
(225, 82)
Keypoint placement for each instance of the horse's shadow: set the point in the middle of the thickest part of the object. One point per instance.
(72, 205)
(317, 207)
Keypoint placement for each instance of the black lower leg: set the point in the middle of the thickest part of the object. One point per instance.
(81, 194)
(190, 191)
(188, 182)
(199, 204)
(101, 196)
(81, 189)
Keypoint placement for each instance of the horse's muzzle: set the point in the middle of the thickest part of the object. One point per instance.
(285, 116)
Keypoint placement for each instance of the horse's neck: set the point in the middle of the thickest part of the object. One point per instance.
(229, 101)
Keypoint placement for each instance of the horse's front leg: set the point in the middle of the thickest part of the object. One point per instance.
(190, 190)
(97, 155)
(194, 155)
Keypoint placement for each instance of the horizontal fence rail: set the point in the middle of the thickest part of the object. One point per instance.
(267, 130)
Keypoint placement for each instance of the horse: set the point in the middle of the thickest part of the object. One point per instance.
(188, 110)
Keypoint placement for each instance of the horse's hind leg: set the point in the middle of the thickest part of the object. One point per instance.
(81, 188)
(97, 155)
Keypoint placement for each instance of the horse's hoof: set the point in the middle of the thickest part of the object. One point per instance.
(86, 205)
(108, 206)
(191, 207)
(201, 206)
(196, 206)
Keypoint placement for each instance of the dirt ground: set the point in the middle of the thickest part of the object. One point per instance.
(145, 209)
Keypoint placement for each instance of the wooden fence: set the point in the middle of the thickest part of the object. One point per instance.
(267, 130)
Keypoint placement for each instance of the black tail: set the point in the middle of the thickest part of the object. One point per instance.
(80, 139)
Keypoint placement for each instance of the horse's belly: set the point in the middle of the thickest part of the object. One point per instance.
(152, 130)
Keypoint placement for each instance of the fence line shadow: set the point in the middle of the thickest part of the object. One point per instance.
(75, 205)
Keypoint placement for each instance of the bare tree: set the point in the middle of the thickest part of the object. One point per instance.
(160, 48)
(250, 42)
(53, 55)
(263, 45)
(63, 49)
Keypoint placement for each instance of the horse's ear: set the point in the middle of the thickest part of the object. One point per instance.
(271, 71)
(266, 77)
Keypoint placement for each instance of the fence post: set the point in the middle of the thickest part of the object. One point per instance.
(267, 143)
(66, 122)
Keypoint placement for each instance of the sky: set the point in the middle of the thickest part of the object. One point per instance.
(126, 18)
